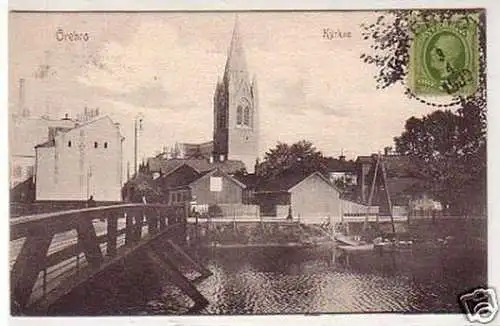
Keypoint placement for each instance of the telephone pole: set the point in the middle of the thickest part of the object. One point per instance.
(137, 128)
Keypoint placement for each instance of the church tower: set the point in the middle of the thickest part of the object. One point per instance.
(236, 123)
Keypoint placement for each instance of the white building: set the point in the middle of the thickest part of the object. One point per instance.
(24, 134)
(81, 162)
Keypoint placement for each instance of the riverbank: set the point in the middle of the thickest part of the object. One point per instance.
(269, 245)
(255, 234)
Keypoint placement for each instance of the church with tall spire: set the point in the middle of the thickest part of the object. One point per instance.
(236, 124)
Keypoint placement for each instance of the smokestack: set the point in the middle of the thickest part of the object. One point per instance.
(22, 108)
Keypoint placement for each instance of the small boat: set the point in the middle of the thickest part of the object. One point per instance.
(346, 240)
(359, 247)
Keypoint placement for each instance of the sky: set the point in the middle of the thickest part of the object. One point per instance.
(165, 66)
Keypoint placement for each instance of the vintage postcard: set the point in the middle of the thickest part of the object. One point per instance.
(249, 163)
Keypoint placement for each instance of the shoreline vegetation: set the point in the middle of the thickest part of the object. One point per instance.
(294, 235)
(256, 234)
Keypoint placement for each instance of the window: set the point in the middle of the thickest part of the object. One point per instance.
(95, 144)
(105, 144)
(222, 118)
(246, 116)
(243, 114)
(239, 115)
(29, 171)
(69, 143)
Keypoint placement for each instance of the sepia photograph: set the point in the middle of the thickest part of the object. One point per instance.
(248, 163)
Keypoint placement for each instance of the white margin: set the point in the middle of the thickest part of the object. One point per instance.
(493, 53)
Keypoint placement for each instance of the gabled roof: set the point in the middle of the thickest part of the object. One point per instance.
(229, 166)
(64, 130)
(250, 180)
(48, 143)
(180, 177)
(218, 172)
(317, 174)
(288, 180)
(167, 166)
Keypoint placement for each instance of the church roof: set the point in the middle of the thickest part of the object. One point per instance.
(236, 63)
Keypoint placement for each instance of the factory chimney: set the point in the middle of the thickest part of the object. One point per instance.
(22, 106)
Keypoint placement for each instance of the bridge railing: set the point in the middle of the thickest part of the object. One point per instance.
(47, 248)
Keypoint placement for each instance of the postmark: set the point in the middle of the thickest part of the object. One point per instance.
(444, 58)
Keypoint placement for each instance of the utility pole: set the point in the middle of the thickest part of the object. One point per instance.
(389, 202)
(128, 170)
(137, 128)
(372, 190)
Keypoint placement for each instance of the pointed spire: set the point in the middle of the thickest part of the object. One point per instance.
(236, 63)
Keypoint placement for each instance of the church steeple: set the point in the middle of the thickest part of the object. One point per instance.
(236, 64)
(236, 127)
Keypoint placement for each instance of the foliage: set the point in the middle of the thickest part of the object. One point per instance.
(142, 185)
(448, 148)
(301, 157)
(452, 164)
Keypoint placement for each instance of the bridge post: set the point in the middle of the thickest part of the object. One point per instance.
(88, 239)
(112, 234)
(152, 220)
(161, 216)
(129, 224)
(29, 263)
(139, 221)
(174, 274)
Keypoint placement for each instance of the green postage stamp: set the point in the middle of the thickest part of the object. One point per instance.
(444, 58)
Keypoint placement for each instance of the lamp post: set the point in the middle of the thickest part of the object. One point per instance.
(137, 128)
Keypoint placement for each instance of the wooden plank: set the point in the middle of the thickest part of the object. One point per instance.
(88, 240)
(28, 265)
(41, 307)
(62, 221)
(129, 227)
(152, 221)
(161, 216)
(175, 276)
(197, 267)
(112, 235)
(138, 223)
(72, 250)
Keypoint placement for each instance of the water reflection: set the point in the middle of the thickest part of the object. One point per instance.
(319, 280)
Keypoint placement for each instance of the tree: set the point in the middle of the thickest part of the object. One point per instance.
(452, 166)
(448, 148)
(301, 157)
(142, 185)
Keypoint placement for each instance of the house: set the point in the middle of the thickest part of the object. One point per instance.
(211, 187)
(310, 197)
(217, 187)
(160, 166)
(80, 162)
(403, 184)
(175, 184)
(25, 134)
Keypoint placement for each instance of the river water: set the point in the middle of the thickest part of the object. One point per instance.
(319, 280)
(272, 280)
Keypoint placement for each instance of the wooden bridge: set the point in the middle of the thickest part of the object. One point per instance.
(51, 254)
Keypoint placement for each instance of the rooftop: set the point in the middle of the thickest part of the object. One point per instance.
(166, 166)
